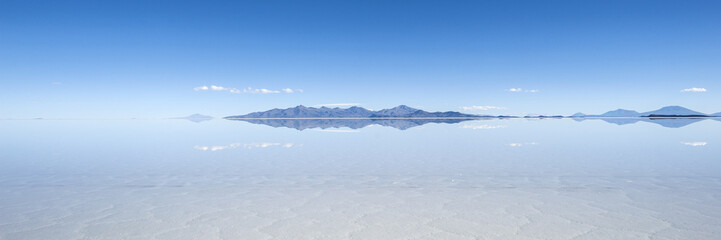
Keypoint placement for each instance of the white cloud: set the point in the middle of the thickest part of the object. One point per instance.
(481, 108)
(56, 83)
(695, 89)
(246, 90)
(483, 126)
(245, 145)
(259, 91)
(337, 105)
(695, 144)
(218, 88)
(288, 90)
(521, 90)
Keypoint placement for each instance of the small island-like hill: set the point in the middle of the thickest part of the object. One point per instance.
(669, 111)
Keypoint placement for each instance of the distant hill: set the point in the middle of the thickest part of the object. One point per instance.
(578, 114)
(621, 113)
(196, 117)
(301, 111)
(669, 111)
(669, 123)
(673, 111)
(310, 112)
(718, 114)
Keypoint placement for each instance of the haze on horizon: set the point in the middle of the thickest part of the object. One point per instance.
(220, 58)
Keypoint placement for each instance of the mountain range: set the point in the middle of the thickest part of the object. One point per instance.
(401, 111)
(404, 117)
(404, 111)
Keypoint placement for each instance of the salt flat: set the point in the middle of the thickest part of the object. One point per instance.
(332, 207)
(378, 183)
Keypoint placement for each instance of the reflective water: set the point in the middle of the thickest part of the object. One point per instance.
(492, 178)
(404, 124)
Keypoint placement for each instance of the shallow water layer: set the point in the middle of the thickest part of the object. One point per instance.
(480, 179)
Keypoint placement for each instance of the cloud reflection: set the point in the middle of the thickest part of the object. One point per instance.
(694, 89)
(695, 144)
(483, 126)
(481, 108)
(246, 146)
(521, 144)
(522, 90)
(338, 130)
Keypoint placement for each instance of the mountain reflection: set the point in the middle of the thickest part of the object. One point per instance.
(302, 124)
(665, 122)
(403, 124)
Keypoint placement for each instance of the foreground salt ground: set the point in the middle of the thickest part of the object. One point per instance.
(360, 207)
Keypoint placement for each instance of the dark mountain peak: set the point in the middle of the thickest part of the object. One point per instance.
(396, 111)
(673, 108)
(404, 108)
(673, 111)
(668, 111)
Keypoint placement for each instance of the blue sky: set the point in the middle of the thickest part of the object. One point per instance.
(152, 58)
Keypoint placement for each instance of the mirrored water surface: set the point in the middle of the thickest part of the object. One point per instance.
(473, 179)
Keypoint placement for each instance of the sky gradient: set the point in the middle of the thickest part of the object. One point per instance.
(108, 59)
